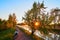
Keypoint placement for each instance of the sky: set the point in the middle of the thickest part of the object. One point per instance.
(19, 7)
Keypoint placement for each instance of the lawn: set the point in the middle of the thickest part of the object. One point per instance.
(7, 34)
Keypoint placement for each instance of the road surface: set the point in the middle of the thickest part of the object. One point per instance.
(21, 35)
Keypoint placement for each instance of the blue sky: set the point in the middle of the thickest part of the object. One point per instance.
(19, 7)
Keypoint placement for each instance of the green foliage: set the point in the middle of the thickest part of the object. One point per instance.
(37, 13)
(3, 25)
(7, 34)
(11, 22)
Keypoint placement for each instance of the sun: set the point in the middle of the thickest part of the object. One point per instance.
(37, 23)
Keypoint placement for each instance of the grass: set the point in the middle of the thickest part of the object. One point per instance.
(7, 34)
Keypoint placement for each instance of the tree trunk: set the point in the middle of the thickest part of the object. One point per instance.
(32, 32)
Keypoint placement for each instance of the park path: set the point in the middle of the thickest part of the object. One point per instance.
(22, 36)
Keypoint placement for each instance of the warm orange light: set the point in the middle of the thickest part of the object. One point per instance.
(37, 23)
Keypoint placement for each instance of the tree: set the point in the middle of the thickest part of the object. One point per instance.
(34, 15)
(11, 20)
(0, 21)
(39, 15)
(3, 24)
(55, 13)
(14, 20)
(0, 24)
